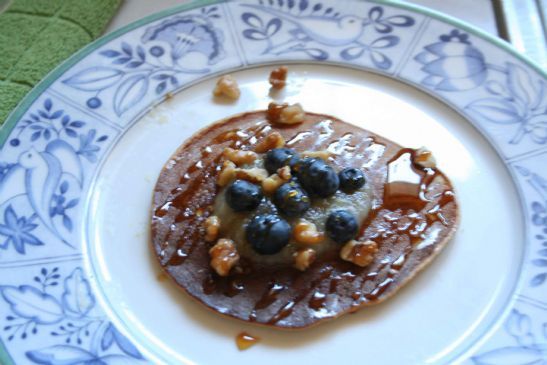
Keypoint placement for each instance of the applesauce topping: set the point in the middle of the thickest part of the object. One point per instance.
(284, 207)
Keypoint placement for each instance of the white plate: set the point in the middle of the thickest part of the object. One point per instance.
(76, 262)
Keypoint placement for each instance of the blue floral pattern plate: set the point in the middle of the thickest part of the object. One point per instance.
(63, 148)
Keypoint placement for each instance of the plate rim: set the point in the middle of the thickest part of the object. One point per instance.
(54, 74)
(24, 105)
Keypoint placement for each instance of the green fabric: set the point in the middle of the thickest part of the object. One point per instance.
(36, 35)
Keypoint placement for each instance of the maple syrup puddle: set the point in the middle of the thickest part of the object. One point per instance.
(244, 341)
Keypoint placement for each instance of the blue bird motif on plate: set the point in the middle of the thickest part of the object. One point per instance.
(319, 31)
(42, 186)
(43, 172)
(330, 30)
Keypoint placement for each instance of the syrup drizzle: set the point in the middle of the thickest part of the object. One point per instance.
(317, 301)
(287, 309)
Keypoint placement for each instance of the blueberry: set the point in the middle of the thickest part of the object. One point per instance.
(243, 196)
(341, 226)
(94, 102)
(291, 199)
(268, 234)
(15, 142)
(351, 179)
(317, 177)
(279, 157)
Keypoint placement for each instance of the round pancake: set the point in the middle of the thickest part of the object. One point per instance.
(279, 295)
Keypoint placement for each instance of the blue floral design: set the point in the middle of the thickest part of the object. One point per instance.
(47, 123)
(17, 231)
(60, 205)
(313, 26)
(190, 33)
(156, 64)
(47, 179)
(453, 64)
(539, 219)
(527, 349)
(69, 317)
(519, 101)
(88, 149)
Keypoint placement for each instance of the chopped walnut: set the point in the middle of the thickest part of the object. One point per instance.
(227, 86)
(306, 232)
(271, 141)
(239, 157)
(271, 183)
(223, 256)
(324, 155)
(293, 114)
(360, 253)
(274, 111)
(255, 175)
(212, 226)
(284, 173)
(424, 158)
(227, 174)
(285, 114)
(278, 77)
(304, 258)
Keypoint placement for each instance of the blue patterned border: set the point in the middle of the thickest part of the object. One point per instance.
(56, 304)
(49, 313)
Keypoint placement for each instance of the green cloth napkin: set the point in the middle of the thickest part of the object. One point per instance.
(36, 35)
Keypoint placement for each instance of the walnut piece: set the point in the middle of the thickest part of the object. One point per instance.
(272, 182)
(293, 114)
(359, 253)
(230, 172)
(227, 86)
(227, 174)
(271, 141)
(254, 175)
(285, 114)
(303, 258)
(212, 226)
(324, 155)
(274, 111)
(306, 232)
(424, 158)
(223, 256)
(239, 157)
(278, 77)
(284, 173)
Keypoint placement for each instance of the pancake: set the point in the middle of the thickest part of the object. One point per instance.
(409, 230)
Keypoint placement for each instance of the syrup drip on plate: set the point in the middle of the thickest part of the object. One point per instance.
(245, 341)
